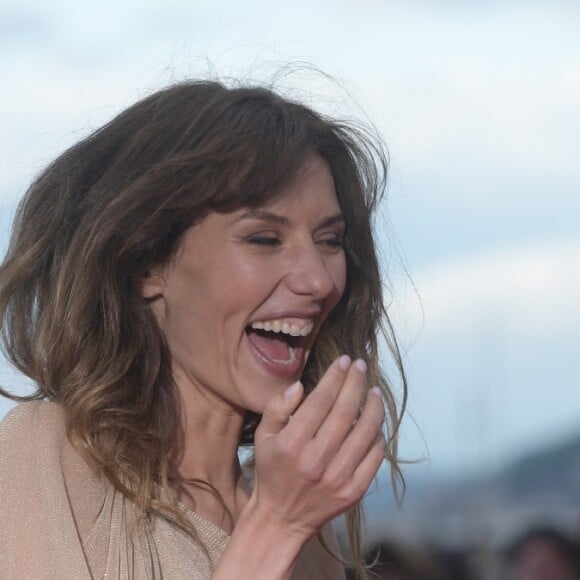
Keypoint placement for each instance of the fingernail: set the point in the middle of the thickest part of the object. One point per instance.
(292, 390)
(377, 392)
(344, 362)
(361, 365)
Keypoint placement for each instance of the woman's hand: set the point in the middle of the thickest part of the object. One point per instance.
(316, 464)
(309, 469)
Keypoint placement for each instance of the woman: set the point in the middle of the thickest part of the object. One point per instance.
(190, 278)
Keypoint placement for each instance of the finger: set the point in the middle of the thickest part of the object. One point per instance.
(362, 437)
(366, 470)
(307, 420)
(277, 411)
(346, 409)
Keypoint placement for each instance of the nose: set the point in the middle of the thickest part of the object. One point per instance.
(312, 273)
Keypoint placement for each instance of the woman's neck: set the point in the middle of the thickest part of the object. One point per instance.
(205, 455)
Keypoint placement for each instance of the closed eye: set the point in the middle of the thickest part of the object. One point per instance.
(263, 240)
(334, 242)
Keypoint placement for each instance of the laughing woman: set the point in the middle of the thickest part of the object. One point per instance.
(196, 276)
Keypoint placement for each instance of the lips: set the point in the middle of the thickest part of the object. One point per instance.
(279, 344)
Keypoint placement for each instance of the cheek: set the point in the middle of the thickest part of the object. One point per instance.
(339, 275)
(337, 269)
(235, 291)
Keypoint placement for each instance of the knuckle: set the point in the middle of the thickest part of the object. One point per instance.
(272, 411)
(346, 412)
(288, 447)
(367, 431)
(349, 496)
(312, 469)
(354, 492)
(334, 484)
(321, 399)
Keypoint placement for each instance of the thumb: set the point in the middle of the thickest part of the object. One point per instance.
(278, 410)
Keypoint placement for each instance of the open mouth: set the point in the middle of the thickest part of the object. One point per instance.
(280, 344)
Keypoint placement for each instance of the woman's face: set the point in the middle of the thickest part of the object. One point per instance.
(244, 297)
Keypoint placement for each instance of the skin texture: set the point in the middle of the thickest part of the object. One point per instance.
(308, 470)
(230, 270)
(235, 268)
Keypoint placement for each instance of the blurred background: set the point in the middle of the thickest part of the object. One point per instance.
(479, 104)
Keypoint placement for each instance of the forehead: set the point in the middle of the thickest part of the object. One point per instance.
(313, 186)
(309, 198)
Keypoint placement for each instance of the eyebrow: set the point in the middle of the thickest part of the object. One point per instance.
(268, 216)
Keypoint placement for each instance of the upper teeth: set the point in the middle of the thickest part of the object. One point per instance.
(293, 328)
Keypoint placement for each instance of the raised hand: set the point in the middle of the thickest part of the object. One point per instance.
(315, 464)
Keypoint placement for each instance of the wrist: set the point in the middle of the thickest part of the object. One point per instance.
(265, 520)
(264, 546)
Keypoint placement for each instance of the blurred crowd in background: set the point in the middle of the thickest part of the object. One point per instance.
(540, 553)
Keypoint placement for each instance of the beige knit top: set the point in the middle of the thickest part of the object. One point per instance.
(60, 520)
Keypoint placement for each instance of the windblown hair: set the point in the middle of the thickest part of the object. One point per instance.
(89, 227)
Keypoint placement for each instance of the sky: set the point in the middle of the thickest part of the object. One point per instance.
(479, 104)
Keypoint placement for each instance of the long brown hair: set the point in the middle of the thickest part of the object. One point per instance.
(107, 209)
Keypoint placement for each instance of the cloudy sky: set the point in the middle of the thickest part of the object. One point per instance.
(479, 104)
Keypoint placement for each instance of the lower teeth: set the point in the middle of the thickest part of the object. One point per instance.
(291, 358)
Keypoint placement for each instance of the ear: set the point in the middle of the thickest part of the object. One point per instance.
(152, 284)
